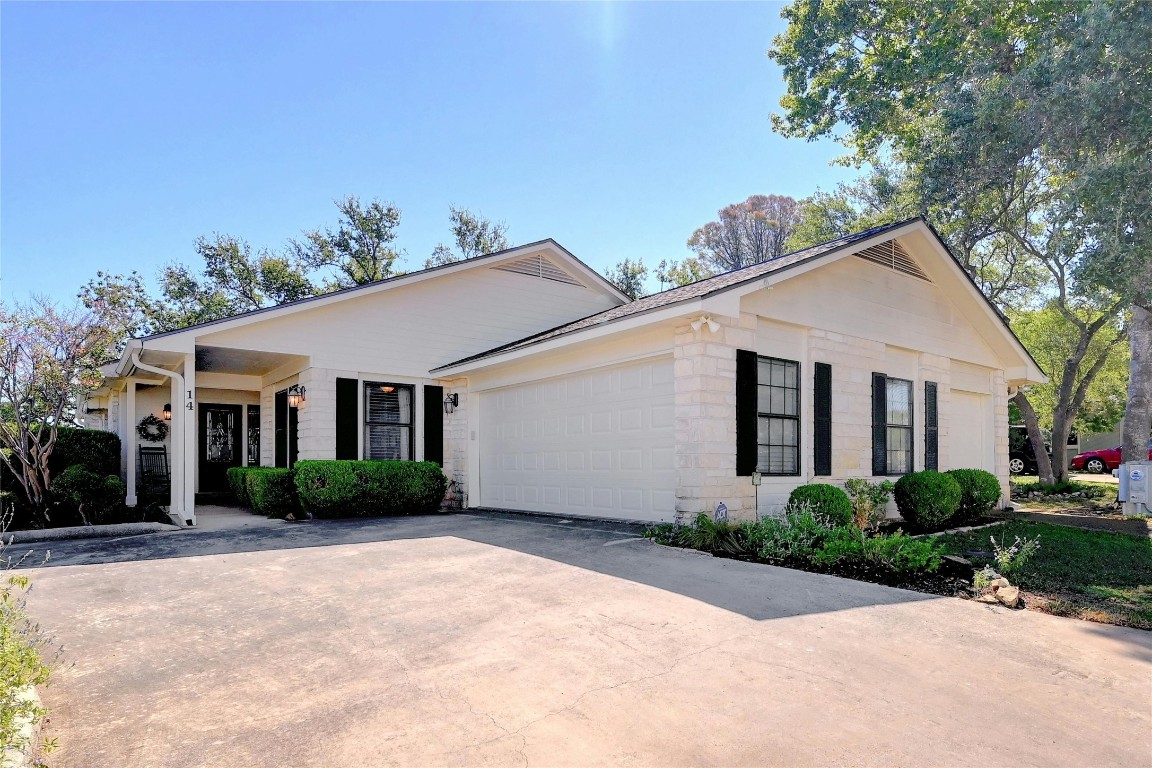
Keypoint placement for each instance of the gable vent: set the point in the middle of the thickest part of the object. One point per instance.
(892, 255)
(538, 266)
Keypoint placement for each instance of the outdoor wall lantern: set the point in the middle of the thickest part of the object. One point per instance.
(167, 411)
(451, 402)
(296, 395)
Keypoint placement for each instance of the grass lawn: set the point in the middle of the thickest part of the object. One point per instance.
(1093, 575)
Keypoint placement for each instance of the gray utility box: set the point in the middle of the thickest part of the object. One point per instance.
(1136, 487)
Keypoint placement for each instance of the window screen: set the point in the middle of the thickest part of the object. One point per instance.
(899, 426)
(387, 421)
(778, 411)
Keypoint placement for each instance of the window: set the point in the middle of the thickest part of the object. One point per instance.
(778, 412)
(387, 421)
(898, 426)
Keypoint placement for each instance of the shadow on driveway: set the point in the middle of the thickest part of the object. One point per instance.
(753, 590)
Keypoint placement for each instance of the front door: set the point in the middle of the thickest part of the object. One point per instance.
(220, 446)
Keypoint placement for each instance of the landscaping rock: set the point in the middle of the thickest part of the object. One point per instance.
(1001, 583)
(989, 598)
(1009, 597)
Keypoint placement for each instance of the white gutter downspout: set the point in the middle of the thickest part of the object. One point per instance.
(175, 468)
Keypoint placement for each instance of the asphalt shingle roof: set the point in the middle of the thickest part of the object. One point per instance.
(697, 290)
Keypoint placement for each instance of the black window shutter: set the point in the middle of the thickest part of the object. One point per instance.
(434, 424)
(281, 423)
(822, 420)
(745, 412)
(347, 421)
(879, 424)
(931, 429)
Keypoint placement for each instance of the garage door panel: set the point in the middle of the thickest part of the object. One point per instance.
(597, 443)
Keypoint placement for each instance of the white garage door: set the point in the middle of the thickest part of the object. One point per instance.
(599, 443)
(972, 443)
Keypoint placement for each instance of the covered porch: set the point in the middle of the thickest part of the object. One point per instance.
(196, 414)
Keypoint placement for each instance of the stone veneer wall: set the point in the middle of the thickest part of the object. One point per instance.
(456, 438)
(705, 401)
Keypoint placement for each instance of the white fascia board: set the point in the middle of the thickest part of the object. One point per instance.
(680, 311)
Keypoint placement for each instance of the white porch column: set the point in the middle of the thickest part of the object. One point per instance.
(130, 430)
(188, 401)
(176, 468)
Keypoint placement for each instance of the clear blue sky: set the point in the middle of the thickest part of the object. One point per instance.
(129, 129)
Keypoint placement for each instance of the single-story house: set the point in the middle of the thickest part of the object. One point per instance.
(539, 386)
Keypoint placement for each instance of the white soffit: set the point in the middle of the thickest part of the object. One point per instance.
(537, 265)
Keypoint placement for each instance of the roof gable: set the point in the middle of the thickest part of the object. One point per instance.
(552, 261)
(879, 245)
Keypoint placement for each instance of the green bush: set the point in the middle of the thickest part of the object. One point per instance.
(927, 500)
(791, 539)
(95, 449)
(346, 488)
(98, 499)
(22, 662)
(237, 483)
(897, 554)
(826, 501)
(271, 491)
(979, 492)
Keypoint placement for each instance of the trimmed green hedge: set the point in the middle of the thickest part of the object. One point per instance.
(99, 498)
(979, 492)
(826, 501)
(271, 491)
(346, 488)
(238, 485)
(95, 449)
(927, 500)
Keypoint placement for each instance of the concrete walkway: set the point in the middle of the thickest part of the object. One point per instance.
(494, 641)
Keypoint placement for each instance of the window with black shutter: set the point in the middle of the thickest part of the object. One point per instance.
(891, 425)
(387, 421)
(778, 416)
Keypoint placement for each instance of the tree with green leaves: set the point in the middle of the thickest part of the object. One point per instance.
(745, 233)
(475, 235)
(232, 280)
(50, 358)
(673, 273)
(1031, 116)
(359, 250)
(629, 277)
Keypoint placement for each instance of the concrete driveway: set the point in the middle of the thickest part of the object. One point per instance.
(504, 641)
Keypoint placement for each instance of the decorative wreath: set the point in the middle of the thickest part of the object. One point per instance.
(152, 429)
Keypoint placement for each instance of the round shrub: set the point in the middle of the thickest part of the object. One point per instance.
(99, 499)
(979, 492)
(825, 501)
(927, 500)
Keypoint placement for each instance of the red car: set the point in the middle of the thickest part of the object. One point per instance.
(1099, 462)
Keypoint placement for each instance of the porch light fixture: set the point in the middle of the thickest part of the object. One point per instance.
(451, 402)
(703, 320)
(296, 395)
(167, 411)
